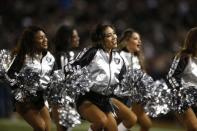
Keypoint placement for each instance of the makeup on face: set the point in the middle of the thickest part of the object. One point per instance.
(134, 43)
(41, 40)
(110, 38)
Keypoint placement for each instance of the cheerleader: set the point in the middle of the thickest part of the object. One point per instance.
(106, 68)
(66, 50)
(32, 54)
(182, 78)
(131, 52)
(66, 45)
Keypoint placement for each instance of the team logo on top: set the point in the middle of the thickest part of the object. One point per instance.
(48, 59)
(117, 60)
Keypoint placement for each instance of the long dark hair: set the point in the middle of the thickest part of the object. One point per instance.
(26, 43)
(62, 38)
(97, 35)
(190, 43)
(123, 42)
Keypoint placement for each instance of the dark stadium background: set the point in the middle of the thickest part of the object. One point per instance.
(162, 24)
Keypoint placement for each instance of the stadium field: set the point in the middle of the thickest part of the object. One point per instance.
(20, 125)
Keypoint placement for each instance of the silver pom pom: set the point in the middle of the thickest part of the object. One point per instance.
(160, 100)
(77, 81)
(68, 115)
(63, 91)
(57, 87)
(5, 60)
(137, 85)
(29, 83)
(184, 97)
(155, 96)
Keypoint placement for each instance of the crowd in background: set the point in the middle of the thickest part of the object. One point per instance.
(162, 24)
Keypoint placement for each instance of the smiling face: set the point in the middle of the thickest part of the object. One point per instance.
(41, 41)
(134, 43)
(109, 38)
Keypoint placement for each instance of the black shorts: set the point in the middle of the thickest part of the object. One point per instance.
(125, 100)
(34, 102)
(101, 101)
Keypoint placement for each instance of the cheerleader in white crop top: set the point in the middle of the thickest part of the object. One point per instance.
(66, 44)
(106, 68)
(182, 78)
(32, 63)
(131, 52)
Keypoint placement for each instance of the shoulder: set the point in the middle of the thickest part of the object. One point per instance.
(89, 51)
(92, 49)
(125, 53)
(182, 57)
(49, 56)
